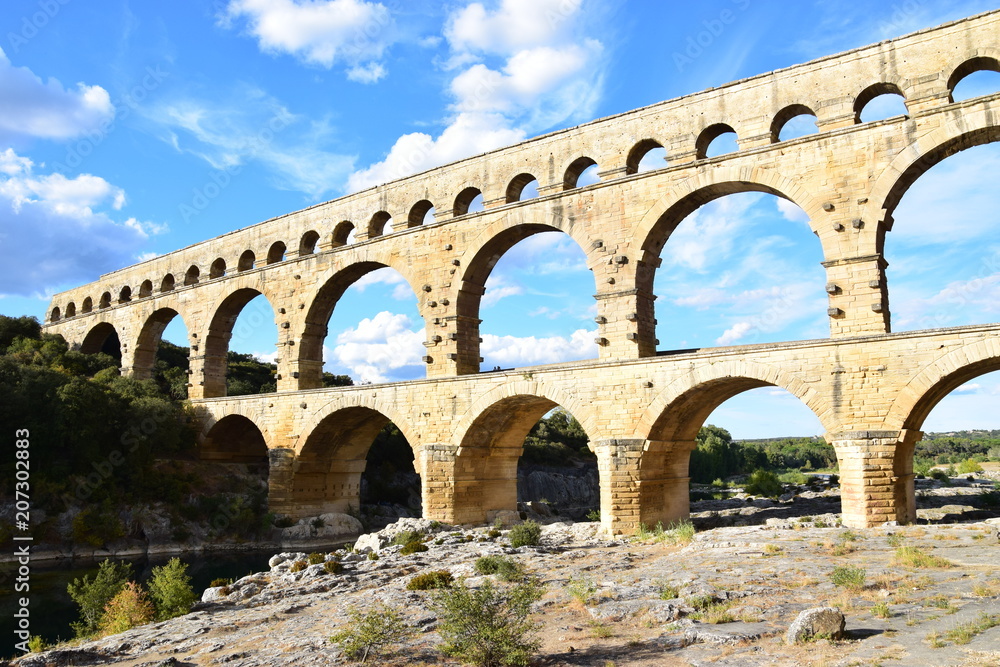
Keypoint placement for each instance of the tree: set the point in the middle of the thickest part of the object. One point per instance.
(171, 590)
(93, 596)
(369, 635)
(128, 609)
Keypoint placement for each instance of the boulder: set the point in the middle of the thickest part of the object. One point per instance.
(816, 622)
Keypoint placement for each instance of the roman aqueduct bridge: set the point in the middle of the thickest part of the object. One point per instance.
(870, 388)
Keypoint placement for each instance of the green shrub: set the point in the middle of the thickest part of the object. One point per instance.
(93, 596)
(594, 515)
(97, 526)
(128, 609)
(851, 578)
(284, 522)
(412, 548)
(494, 533)
(298, 566)
(489, 626)
(668, 592)
(794, 477)
(368, 635)
(216, 583)
(372, 555)
(315, 558)
(430, 580)
(333, 567)
(763, 483)
(914, 557)
(581, 590)
(969, 466)
(940, 475)
(36, 644)
(527, 534)
(506, 568)
(681, 532)
(170, 589)
(407, 536)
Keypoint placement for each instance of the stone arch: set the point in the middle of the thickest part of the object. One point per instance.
(332, 455)
(88, 305)
(148, 340)
(418, 212)
(252, 411)
(376, 226)
(105, 300)
(102, 337)
(873, 91)
(341, 233)
(146, 288)
(980, 63)
(708, 135)
(322, 306)
(478, 262)
(218, 268)
(220, 330)
(490, 438)
(191, 275)
(464, 200)
(782, 117)
(246, 261)
(55, 315)
(572, 174)
(638, 152)
(70, 309)
(307, 244)
(167, 284)
(125, 295)
(276, 253)
(516, 187)
(233, 438)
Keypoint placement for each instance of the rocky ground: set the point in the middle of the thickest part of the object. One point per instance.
(631, 602)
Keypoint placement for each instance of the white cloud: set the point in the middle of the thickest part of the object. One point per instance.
(253, 126)
(378, 349)
(515, 25)
(513, 351)
(498, 288)
(321, 32)
(734, 333)
(30, 107)
(791, 211)
(52, 234)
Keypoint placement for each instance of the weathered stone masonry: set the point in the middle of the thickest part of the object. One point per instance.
(871, 389)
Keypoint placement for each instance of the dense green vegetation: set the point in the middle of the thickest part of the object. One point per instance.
(557, 439)
(718, 456)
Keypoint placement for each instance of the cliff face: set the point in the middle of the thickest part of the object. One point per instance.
(571, 492)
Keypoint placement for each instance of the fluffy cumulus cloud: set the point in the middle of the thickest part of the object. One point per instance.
(380, 349)
(523, 67)
(320, 32)
(54, 231)
(513, 351)
(30, 107)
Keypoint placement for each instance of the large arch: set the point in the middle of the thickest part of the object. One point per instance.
(102, 337)
(144, 350)
(219, 333)
(233, 438)
(478, 262)
(491, 439)
(320, 310)
(332, 456)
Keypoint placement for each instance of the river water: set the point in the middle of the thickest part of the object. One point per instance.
(52, 610)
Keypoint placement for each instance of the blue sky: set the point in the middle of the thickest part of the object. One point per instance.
(131, 129)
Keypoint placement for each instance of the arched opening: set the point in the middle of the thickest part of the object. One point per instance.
(942, 253)
(517, 450)
(974, 78)
(738, 264)
(234, 456)
(342, 234)
(379, 223)
(647, 155)
(105, 300)
(276, 253)
(167, 284)
(191, 277)
(146, 288)
(55, 315)
(88, 305)
(529, 284)
(363, 325)
(235, 439)
(357, 459)
(161, 353)
(710, 440)
(521, 188)
(218, 268)
(469, 200)
(240, 347)
(422, 213)
(125, 295)
(715, 140)
(70, 309)
(581, 173)
(879, 102)
(247, 260)
(103, 337)
(792, 122)
(307, 245)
